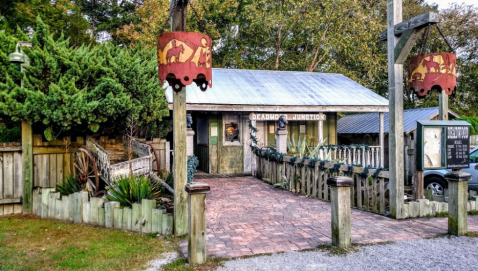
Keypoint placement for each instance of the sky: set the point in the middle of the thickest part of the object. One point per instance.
(444, 3)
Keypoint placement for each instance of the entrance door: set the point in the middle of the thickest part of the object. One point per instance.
(203, 143)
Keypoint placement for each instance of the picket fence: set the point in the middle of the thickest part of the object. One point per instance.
(79, 208)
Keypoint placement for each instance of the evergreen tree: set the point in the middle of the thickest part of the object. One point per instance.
(71, 89)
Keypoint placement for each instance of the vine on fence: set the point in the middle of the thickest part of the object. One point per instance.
(193, 162)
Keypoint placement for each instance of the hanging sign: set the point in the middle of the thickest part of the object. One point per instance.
(443, 144)
(432, 71)
(289, 117)
(183, 58)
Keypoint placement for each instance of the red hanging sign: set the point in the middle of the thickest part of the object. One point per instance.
(432, 71)
(183, 58)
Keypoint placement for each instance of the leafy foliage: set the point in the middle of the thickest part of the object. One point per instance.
(83, 88)
(473, 121)
(13, 134)
(69, 186)
(129, 190)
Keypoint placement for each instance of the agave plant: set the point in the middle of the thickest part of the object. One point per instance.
(299, 149)
(128, 190)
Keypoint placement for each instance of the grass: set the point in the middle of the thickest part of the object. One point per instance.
(29, 243)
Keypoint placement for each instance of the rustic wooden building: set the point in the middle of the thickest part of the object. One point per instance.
(310, 100)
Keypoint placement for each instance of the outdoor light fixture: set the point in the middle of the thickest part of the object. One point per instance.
(19, 57)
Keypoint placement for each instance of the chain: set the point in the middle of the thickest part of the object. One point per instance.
(424, 39)
(182, 19)
(444, 38)
(169, 16)
(197, 17)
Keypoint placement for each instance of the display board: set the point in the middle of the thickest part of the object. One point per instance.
(443, 144)
(457, 147)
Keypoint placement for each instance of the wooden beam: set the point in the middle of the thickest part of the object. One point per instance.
(381, 139)
(10, 201)
(420, 21)
(284, 108)
(178, 23)
(405, 45)
(27, 166)
(443, 106)
(395, 92)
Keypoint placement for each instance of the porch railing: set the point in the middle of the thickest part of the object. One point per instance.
(309, 177)
(357, 154)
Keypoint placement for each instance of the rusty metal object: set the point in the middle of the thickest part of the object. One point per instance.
(183, 58)
(432, 71)
(85, 168)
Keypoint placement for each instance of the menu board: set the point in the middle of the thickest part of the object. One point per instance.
(457, 147)
(432, 144)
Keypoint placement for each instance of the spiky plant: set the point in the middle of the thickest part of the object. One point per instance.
(69, 186)
(128, 190)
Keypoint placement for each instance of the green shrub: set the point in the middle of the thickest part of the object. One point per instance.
(128, 190)
(10, 135)
(167, 177)
(70, 186)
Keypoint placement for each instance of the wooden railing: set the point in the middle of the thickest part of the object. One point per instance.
(369, 192)
(363, 155)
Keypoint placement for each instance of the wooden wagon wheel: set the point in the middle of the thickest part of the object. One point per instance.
(86, 170)
(155, 158)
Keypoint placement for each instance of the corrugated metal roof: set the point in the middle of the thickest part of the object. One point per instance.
(257, 87)
(369, 123)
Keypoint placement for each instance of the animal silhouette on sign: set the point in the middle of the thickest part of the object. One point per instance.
(202, 60)
(417, 76)
(431, 64)
(447, 64)
(175, 51)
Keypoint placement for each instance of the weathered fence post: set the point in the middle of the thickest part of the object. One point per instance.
(457, 202)
(341, 214)
(197, 222)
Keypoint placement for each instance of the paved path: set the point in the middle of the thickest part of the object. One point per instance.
(246, 216)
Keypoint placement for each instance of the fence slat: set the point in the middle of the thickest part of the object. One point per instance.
(1, 177)
(359, 192)
(118, 218)
(18, 182)
(136, 217)
(127, 219)
(52, 162)
(147, 206)
(8, 177)
(59, 169)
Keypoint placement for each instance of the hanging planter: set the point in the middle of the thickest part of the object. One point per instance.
(432, 71)
(183, 58)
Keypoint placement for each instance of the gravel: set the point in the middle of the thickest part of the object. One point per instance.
(163, 260)
(446, 253)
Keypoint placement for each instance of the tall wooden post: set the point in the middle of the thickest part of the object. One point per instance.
(178, 23)
(27, 166)
(457, 202)
(395, 92)
(381, 139)
(443, 111)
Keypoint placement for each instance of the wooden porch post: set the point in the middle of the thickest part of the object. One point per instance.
(395, 90)
(443, 109)
(179, 135)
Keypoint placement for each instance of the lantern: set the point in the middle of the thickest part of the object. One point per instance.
(183, 58)
(432, 71)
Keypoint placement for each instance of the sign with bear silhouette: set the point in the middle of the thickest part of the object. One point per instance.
(432, 71)
(183, 58)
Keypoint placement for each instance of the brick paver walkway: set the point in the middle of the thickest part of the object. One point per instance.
(246, 216)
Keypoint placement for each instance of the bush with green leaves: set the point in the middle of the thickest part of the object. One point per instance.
(69, 186)
(13, 134)
(82, 88)
(132, 189)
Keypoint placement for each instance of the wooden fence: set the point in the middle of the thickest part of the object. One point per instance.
(11, 185)
(53, 161)
(78, 208)
(369, 192)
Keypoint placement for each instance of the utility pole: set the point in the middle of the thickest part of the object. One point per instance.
(178, 23)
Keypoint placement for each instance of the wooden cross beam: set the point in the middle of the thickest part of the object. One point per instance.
(417, 22)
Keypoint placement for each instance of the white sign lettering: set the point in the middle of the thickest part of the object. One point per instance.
(289, 117)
